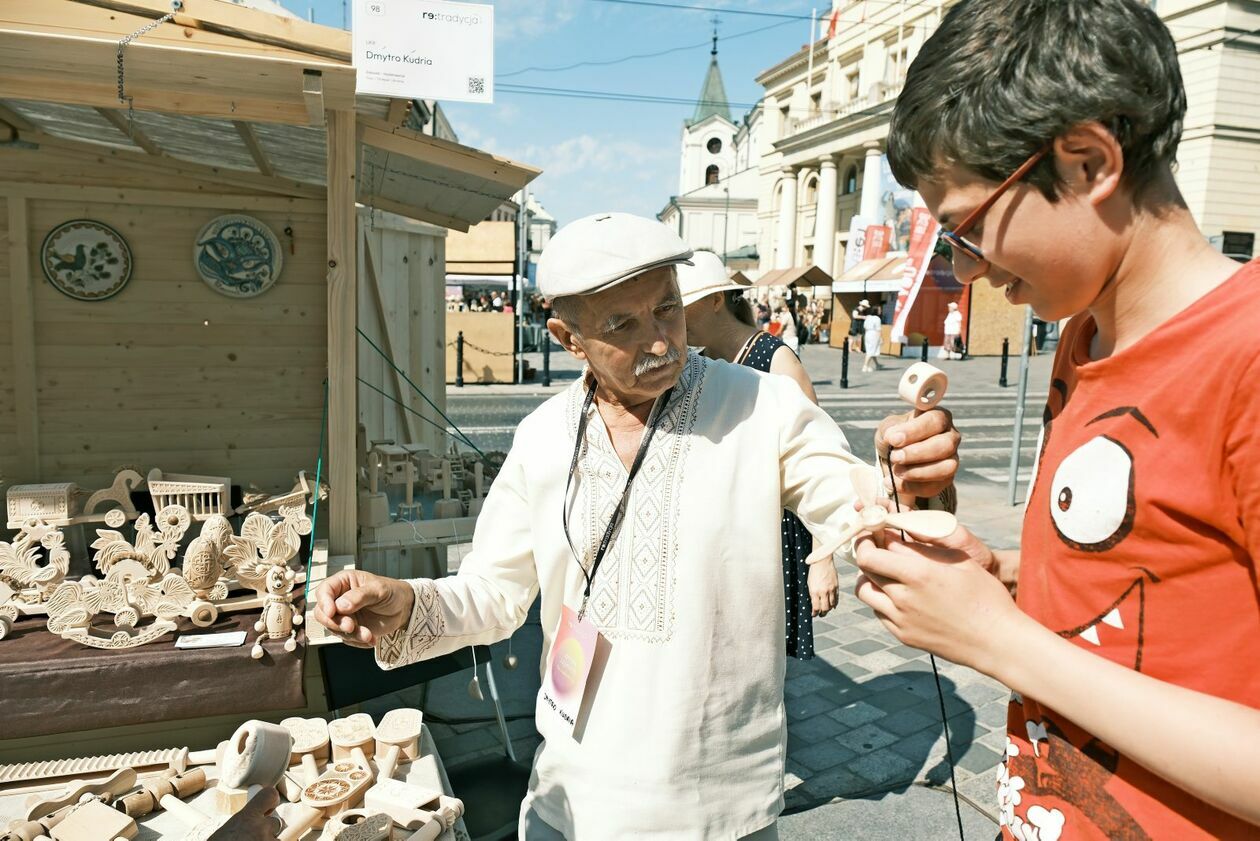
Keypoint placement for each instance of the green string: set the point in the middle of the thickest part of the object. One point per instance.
(461, 437)
(418, 391)
(319, 470)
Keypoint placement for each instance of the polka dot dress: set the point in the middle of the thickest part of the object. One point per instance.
(797, 541)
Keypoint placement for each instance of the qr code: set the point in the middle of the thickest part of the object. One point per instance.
(476, 84)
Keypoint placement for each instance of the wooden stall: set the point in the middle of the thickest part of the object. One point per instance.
(210, 245)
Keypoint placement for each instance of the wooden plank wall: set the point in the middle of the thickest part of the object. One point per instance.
(170, 373)
(406, 269)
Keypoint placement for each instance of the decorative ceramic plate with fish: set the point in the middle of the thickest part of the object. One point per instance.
(238, 256)
(87, 260)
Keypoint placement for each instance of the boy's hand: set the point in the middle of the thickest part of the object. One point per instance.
(361, 608)
(824, 587)
(924, 451)
(942, 597)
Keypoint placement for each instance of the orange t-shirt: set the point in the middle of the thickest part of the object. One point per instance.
(1140, 544)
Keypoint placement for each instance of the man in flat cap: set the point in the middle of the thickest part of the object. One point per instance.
(644, 504)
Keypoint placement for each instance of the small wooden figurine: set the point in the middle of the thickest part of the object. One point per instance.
(279, 614)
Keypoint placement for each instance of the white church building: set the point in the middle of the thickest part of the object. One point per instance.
(716, 205)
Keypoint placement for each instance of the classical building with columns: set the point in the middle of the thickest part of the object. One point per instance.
(825, 118)
(716, 205)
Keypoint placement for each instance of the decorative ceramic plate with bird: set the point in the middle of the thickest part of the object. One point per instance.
(87, 260)
(238, 256)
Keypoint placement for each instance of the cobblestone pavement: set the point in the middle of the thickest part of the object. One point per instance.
(864, 715)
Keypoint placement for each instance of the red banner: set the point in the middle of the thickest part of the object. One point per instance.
(923, 232)
(878, 238)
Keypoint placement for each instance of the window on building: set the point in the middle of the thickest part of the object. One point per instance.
(851, 82)
(815, 102)
(711, 175)
(715, 145)
(811, 191)
(850, 180)
(783, 120)
(898, 63)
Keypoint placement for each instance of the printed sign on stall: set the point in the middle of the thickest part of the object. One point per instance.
(424, 49)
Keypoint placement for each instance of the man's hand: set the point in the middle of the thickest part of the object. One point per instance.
(361, 608)
(824, 586)
(924, 451)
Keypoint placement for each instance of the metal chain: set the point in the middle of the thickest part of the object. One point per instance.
(480, 349)
(176, 6)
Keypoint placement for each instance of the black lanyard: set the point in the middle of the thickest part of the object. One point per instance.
(619, 512)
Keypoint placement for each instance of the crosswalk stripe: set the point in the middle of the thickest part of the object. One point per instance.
(981, 452)
(999, 474)
(963, 424)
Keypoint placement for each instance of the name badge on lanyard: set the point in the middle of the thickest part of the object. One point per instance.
(569, 666)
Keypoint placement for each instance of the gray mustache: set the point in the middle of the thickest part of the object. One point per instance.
(650, 363)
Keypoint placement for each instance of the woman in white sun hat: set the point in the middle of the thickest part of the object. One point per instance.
(721, 321)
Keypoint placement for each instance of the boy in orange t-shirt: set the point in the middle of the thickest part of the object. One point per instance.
(1042, 134)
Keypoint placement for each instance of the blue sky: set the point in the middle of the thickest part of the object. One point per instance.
(599, 155)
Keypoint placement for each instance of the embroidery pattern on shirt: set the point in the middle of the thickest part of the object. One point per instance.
(426, 626)
(633, 595)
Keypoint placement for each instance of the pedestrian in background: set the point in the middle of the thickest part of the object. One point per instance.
(787, 328)
(873, 327)
(719, 320)
(952, 348)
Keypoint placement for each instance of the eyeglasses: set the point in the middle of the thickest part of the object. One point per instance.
(956, 239)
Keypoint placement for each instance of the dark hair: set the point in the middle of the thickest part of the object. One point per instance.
(1001, 78)
(739, 307)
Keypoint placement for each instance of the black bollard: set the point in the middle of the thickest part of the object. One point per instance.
(459, 360)
(844, 363)
(1006, 352)
(546, 349)
(924, 354)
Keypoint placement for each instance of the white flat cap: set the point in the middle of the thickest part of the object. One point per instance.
(704, 276)
(600, 251)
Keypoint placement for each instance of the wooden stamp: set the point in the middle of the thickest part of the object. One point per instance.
(350, 734)
(310, 745)
(94, 821)
(120, 782)
(337, 790)
(257, 754)
(397, 738)
(358, 825)
(412, 806)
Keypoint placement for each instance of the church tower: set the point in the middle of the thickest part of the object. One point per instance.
(708, 138)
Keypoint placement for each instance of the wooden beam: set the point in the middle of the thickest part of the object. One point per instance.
(445, 154)
(159, 198)
(122, 157)
(81, 69)
(342, 341)
(413, 212)
(313, 93)
(401, 388)
(241, 22)
(22, 341)
(256, 151)
(118, 120)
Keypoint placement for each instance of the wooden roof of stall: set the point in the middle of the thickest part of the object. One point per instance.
(228, 94)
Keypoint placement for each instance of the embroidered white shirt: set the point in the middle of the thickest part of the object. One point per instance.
(683, 735)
